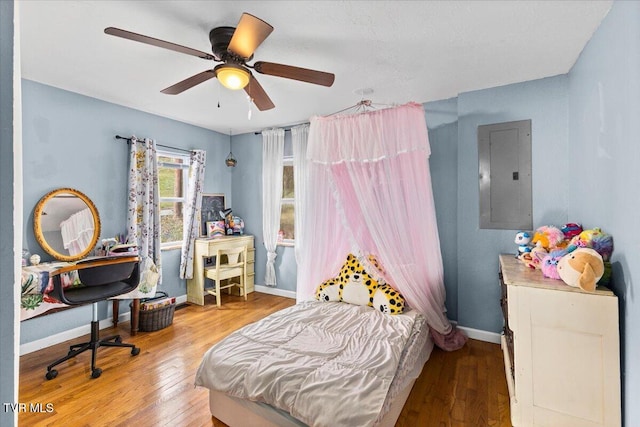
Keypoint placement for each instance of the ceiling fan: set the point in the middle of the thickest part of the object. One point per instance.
(233, 47)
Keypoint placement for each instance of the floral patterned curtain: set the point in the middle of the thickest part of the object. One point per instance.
(192, 212)
(143, 209)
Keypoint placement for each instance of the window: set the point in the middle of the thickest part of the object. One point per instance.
(287, 219)
(173, 176)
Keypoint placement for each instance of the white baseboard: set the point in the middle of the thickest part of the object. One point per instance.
(480, 335)
(70, 334)
(275, 291)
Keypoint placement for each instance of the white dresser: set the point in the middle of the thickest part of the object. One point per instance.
(561, 350)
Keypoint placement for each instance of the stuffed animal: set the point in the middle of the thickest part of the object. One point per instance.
(388, 300)
(548, 237)
(595, 239)
(570, 230)
(357, 285)
(523, 238)
(581, 268)
(549, 264)
(533, 259)
(329, 290)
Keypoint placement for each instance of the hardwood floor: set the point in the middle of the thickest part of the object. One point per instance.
(155, 388)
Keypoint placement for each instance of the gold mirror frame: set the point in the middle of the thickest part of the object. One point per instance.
(40, 212)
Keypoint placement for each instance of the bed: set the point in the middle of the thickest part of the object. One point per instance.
(319, 364)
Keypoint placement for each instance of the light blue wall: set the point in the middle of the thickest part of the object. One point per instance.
(8, 327)
(442, 122)
(545, 103)
(69, 142)
(246, 188)
(604, 147)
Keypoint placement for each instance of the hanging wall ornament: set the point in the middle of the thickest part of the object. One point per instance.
(230, 161)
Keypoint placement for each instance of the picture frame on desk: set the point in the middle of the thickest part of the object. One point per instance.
(212, 204)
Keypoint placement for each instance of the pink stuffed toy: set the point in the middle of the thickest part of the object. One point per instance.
(549, 265)
(548, 237)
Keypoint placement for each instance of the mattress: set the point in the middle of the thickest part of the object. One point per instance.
(373, 386)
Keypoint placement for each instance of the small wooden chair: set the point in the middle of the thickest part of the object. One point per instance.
(235, 265)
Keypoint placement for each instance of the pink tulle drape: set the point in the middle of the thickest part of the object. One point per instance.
(369, 192)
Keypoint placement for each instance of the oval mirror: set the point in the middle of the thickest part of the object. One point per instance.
(66, 224)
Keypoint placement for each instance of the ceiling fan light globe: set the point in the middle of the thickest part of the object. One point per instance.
(232, 76)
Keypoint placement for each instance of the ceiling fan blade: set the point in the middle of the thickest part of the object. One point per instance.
(157, 42)
(249, 34)
(295, 73)
(189, 83)
(258, 95)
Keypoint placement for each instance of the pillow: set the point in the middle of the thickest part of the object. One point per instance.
(354, 285)
(388, 300)
(357, 285)
(329, 290)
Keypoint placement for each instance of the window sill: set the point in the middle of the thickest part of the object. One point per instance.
(287, 244)
(171, 247)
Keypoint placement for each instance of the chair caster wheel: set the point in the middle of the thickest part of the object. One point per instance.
(135, 351)
(96, 373)
(51, 374)
(118, 339)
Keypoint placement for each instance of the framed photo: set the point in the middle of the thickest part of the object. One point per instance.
(212, 204)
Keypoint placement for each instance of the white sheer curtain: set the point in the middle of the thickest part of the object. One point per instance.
(370, 193)
(272, 152)
(191, 230)
(299, 140)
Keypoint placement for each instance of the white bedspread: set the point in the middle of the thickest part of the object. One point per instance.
(327, 364)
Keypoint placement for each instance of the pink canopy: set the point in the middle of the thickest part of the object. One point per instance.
(369, 192)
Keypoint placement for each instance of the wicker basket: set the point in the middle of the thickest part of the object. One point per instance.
(157, 318)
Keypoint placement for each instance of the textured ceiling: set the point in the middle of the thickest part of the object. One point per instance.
(403, 50)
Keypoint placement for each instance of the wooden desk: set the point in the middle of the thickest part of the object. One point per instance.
(207, 248)
(35, 300)
(135, 313)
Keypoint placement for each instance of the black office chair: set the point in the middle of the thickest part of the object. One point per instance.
(100, 279)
